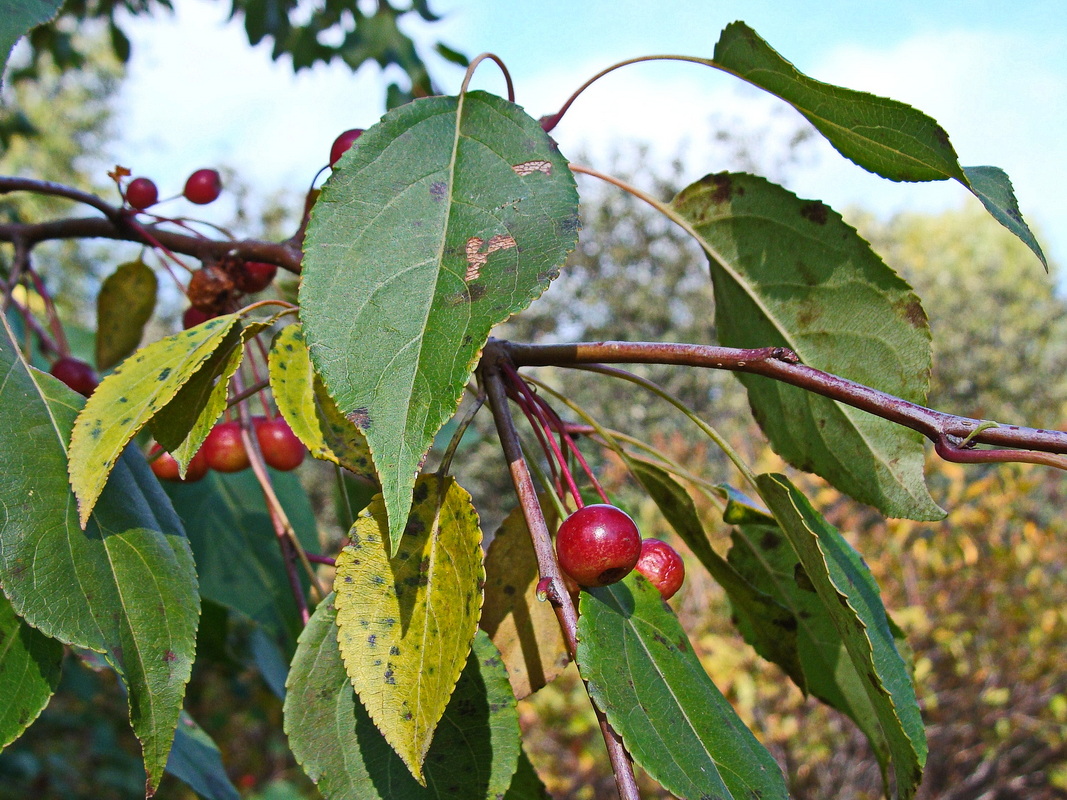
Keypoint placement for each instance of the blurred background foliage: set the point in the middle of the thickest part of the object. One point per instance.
(981, 595)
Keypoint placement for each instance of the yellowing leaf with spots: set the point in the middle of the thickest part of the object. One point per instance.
(406, 623)
(310, 411)
(523, 628)
(129, 397)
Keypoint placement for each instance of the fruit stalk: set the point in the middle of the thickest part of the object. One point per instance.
(491, 379)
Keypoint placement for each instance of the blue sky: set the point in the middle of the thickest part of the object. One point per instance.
(994, 74)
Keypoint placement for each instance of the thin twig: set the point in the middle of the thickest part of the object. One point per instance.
(491, 379)
(946, 431)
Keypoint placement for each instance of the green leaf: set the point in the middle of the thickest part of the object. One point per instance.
(523, 628)
(848, 595)
(125, 303)
(18, 19)
(525, 783)
(129, 397)
(642, 672)
(235, 547)
(310, 411)
(29, 673)
(884, 136)
(125, 586)
(449, 216)
(196, 761)
(406, 622)
(474, 750)
(766, 624)
(790, 272)
(992, 186)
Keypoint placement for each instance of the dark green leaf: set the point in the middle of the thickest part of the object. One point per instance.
(237, 554)
(125, 586)
(993, 187)
(790, 272)
(767, 625)
(525, 783)
(29, 673)
(835, 574)
(196, 761)
(884, 136)
(447, 217)
(474, 752)
(642, 672)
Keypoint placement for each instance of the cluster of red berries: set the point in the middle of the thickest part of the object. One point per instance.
(202, 187)
(600, 544)
(224, 450)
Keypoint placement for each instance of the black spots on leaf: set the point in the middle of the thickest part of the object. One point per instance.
(467, 340)
(169, 656)
(912, 312)
(378, 580)
(568, 225)
(348, 579)
(407, 716)
(438, 190)
(421, 492)
(372, 640)
(163, 374)
(476, 291)
(394, 650)
(359, 417)
(815, 212)
(415, 527)
(722, 188)
(802, 578)
(389, 679)
(769, 540)
(509, 589)
(389, 622)
(942, 136)
(124, 400)
(548, 275)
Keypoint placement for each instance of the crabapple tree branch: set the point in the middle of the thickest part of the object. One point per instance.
(118, 224)
(953, 436)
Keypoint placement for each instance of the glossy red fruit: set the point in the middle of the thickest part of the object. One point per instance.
(342, 143)
(74, 372)
(203, 186)
(141, 193)
(165, 466)
(255, 276)
(598, 545)
(661, 564)
(224, 450)
(279, 445)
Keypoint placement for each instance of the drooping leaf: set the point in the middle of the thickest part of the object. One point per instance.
(29, 673)
(790, 272)
(449, 216)
(129, 397)
(196, 761)
(523, 628)
(406, 622)
(126, 301)
(310, 411)
(884, 136)
(848, 595)
(642, 672)
(236, 550)
(18, 19)
(766, 624)
(992, 186)
(473, 754)
(125, 586)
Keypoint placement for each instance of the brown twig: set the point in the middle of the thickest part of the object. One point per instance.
(490, 378)
(952, 435)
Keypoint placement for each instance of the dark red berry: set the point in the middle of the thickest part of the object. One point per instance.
(661, 564)
(224, 450)
(74, 372)
(141, 193)
(342, 143)
(204, 186)
(280, 447)
(193, 316)
(255, 276)
(165, 466)
(598, 545)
